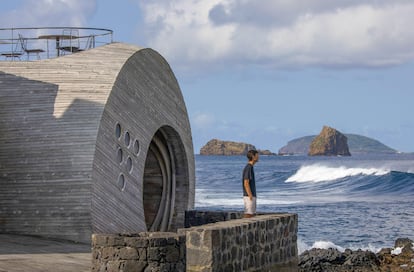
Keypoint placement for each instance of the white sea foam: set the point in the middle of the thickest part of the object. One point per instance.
(210, 197)
(264, 201)
(206, 201)
(302, 246)
(326, 245)
(396, 251)
(318, 173)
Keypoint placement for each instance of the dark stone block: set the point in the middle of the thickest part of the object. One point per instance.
(115, 240)
(133, 266)
(172, 254)
(142, 254)
(136, 242)
(128, 253)
(250, 238)
(109, 253)
(228, 268)
(234, 252)
(157, 242)
(215, 239)
(154, 254)
(198, 257)
(194, 239)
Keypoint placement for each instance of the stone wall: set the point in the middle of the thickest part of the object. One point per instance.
(149, 251)
(263, 243)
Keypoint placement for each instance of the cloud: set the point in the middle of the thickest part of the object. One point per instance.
(203, 121)
(39, 13)
(281, 34)
(182, 28)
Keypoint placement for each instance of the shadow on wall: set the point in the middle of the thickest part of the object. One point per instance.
(38, 163)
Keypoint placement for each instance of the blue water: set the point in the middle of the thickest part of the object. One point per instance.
(344, 202)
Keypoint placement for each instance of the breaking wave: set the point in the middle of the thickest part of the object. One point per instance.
(318, 173)
(367, 181)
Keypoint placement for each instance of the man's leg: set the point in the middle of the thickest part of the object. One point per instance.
(249, 207)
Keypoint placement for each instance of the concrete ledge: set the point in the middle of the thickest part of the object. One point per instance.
(199, 217)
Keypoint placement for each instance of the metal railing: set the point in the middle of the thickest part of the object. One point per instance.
(49, 42)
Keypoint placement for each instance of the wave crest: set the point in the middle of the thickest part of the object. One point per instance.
(318, 173)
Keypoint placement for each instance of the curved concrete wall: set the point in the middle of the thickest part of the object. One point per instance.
(97, 141)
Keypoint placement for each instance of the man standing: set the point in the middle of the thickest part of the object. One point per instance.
(249, 185)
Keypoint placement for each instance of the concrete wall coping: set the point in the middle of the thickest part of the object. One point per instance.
(241, 221)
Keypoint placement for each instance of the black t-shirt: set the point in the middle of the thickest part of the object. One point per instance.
(248, 173)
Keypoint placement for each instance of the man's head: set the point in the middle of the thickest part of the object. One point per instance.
(253, 156)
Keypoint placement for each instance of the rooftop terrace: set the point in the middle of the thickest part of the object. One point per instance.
(35, 43)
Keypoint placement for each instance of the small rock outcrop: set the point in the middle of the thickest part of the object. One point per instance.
(229, 148)
(329, 142)
(332, 260)
(398, 262)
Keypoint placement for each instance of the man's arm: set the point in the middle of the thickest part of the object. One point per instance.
(246, 184)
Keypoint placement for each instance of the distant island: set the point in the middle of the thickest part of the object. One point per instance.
(357, 145)
(229, 148)
(329, 142)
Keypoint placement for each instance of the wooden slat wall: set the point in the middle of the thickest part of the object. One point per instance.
(49, 117)
(145, 99)
(58, 168)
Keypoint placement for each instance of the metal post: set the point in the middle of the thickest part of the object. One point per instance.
(12, 44)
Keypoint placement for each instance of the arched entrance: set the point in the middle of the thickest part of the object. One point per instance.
(163, 173)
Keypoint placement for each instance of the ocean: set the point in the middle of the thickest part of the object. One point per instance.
(358, 202)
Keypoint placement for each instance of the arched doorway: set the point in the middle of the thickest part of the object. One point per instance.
(165, 170)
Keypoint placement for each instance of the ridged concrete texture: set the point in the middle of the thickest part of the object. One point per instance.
(97, 141)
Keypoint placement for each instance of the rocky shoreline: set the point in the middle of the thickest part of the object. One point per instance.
(333, 260)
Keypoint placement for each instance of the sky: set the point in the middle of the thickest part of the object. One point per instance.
(266, 72)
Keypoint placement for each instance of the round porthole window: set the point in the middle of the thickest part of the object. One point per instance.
(136, 147)
(129, 164)
(119, 155)
(118, 130)
(121, 182)
(127, 138)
